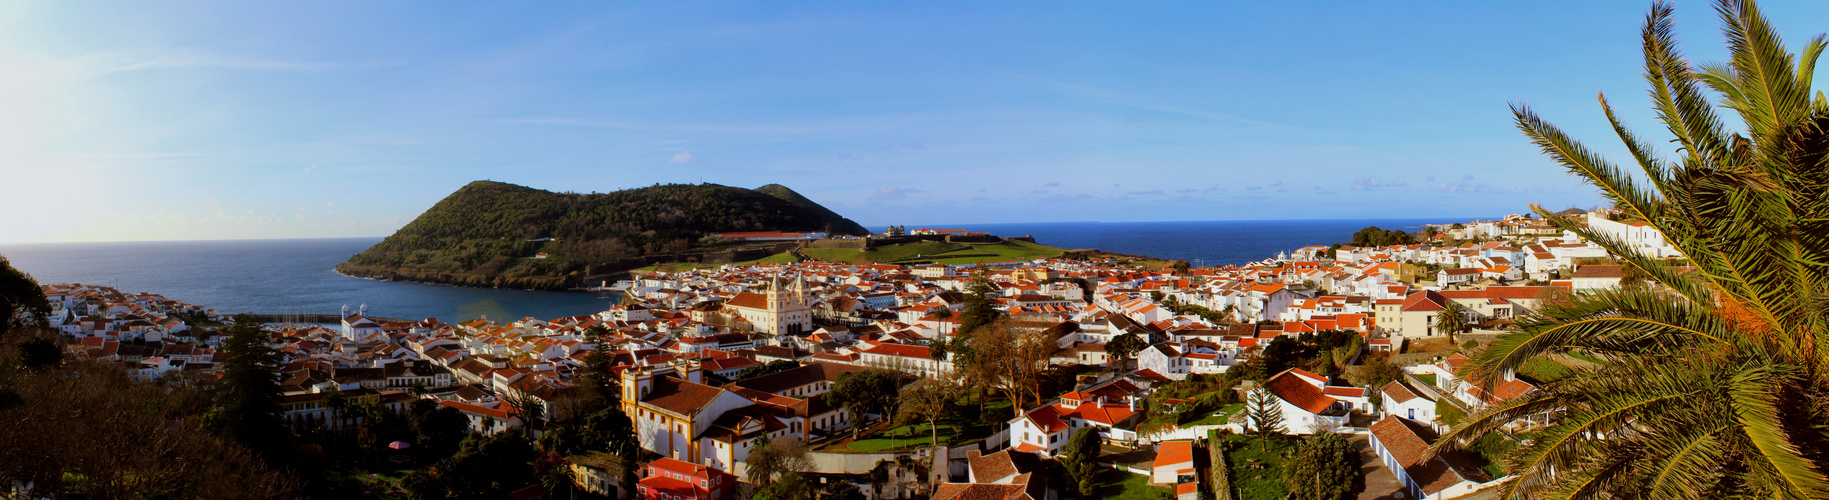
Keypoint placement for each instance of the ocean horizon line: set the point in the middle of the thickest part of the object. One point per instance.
(325, 238)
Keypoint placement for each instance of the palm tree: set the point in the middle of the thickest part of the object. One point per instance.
(1718, 376)
(1452, 319)
(334, 400)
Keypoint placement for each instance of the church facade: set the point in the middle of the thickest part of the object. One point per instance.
(778, 311)
(358, 326)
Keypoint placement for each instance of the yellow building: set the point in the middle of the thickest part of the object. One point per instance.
(672, 410)
(1403, 271)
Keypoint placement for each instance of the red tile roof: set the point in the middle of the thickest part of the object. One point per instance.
(1290, 387)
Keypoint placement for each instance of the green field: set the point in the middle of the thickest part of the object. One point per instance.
(1009, 250)
(1114, 483)
(780, 258)
(1257, 474)
(1543, 370)
(887, 253)
(937, 252)
(906, 437)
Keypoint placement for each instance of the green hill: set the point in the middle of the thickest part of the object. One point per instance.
(836, 224)
(490, 233)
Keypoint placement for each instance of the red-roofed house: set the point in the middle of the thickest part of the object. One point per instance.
(1308, 406)
(670, 479)
(1174, 459)
(1045, 430)
(1403, 445)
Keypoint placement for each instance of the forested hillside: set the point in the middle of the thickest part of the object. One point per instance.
(837, 224)
(489, 233)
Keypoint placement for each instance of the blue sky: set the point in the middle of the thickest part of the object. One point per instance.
(179, 120)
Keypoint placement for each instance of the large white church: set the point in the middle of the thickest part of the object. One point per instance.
(358, 326)
(777, 311)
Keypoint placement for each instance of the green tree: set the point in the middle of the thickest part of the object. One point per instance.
(930, 401)
(613, 431)
(22, 301)
(872, 391)
(1123, 347)
(936, 349)
(439, 430)
(1263, 416)
(789, 486)
(844, 490)
(599, 367)
(776, 459)
(772, 367)
(1323, 468)
(1452, 319)
(1717, 380)
(980, 305)
(39, 353)
(1081, 457)
(485, 467)
(336, 403)
(1376, 370)
(249, 410)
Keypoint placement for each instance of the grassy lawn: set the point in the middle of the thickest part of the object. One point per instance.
(1265, 482)
(906, 437)
(669, 267)
(1587, 358)
(1543, 370)
(1219, 417)
(1488, 453)
(1001, 252)
(1114, 483)
(886, 253)
(965, 427)
(1427, 378)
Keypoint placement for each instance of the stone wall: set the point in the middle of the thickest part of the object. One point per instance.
(843, 243)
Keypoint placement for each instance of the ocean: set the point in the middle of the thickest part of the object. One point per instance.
(1203, 243)
(280, 277)
(297, 276)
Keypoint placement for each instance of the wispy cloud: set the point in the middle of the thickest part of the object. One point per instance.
(1467, 185)
(103, 63)
(683, 158)
(1370, 183)
(887, 192)
(1142, 102)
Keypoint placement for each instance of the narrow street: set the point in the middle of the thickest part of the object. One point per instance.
(1380, 483)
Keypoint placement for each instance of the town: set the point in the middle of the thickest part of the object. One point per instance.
(1039, 379)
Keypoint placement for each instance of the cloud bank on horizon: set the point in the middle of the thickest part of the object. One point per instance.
(171, 121)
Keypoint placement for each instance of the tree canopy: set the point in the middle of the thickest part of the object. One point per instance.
(1323, 468)
(492, 228)
(1717, 375)
(1372, 236)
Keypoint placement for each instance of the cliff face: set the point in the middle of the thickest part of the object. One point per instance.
(499, 234)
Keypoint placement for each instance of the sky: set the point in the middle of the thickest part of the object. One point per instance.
(183, 120)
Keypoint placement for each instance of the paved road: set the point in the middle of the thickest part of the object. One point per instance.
(1380, 483)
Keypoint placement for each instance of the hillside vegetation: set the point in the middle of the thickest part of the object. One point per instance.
(488, 233)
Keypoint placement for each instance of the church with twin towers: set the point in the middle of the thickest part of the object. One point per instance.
(778, 311)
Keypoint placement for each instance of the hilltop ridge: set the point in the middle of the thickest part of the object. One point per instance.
(491, 233)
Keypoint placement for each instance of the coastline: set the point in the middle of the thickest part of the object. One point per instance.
(549, 284)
